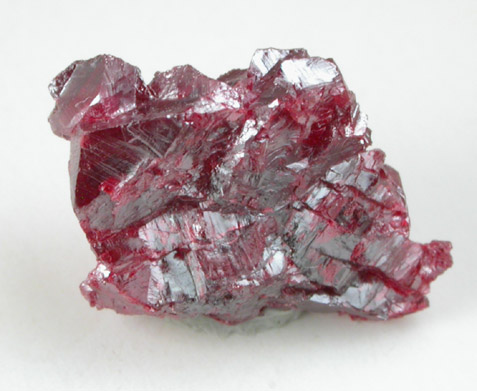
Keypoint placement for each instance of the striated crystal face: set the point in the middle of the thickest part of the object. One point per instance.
(226, 197)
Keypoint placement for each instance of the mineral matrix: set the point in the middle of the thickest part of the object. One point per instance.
(226, 197)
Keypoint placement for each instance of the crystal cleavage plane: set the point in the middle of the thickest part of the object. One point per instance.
(227, 197)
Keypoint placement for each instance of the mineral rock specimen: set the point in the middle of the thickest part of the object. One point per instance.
(226, 197)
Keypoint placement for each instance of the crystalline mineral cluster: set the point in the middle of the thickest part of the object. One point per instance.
(226, 197)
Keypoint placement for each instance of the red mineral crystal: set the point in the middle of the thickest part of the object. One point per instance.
(226, 197)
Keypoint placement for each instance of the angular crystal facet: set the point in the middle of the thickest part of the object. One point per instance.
(226, 197)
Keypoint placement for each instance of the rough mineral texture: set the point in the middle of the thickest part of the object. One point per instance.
(226, 197)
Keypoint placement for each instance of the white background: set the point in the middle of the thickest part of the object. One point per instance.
(412, 65)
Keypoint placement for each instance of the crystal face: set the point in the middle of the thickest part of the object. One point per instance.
(226, 197)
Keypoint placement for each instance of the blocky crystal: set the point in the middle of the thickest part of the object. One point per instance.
(226, 197)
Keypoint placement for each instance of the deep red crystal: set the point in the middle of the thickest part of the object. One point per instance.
(227, 197)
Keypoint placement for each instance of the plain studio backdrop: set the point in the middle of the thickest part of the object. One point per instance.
(412, 65)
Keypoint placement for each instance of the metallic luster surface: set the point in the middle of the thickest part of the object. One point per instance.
(225, 198)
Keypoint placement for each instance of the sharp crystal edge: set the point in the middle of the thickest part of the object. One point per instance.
(227, 197)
